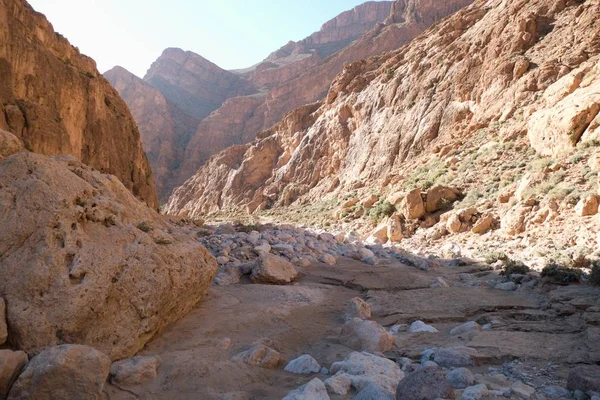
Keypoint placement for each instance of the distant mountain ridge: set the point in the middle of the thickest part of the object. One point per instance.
(231, 107)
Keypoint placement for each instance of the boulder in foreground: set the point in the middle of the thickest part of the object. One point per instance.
(83, 261)
(63, 372)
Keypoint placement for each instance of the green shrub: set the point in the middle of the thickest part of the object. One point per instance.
(381, 210)
(514, 267)
(144, 227)
(162, 241)
(561, 274)
(494, 256)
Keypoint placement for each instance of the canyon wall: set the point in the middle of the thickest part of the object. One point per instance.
(55, 101)
(496, 68)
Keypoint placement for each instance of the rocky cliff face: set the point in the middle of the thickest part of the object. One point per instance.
(297, 74)
(313, 82)
(166, 128)
(56, 102)
(508, 74)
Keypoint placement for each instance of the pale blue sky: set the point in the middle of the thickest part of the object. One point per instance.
(231, 33)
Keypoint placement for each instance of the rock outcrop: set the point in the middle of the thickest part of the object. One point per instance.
(244, 102)
(55, 101)
(83, 261)
(488, 71)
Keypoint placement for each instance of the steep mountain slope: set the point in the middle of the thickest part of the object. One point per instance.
(313, 82)
(56, 102)
(476, 102)
(166, 127)
(193, 83)
(297, 74)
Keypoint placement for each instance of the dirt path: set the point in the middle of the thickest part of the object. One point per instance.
(305, 318)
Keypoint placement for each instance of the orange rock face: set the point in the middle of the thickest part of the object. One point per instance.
(495, 65)
(242, 103)
(54, 100)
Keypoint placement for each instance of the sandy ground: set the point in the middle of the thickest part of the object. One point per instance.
(549, 324)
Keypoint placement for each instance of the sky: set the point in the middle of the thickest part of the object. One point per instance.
(233, 34)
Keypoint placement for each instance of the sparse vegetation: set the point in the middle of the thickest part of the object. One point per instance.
(514, 267)
(247, 228)
(144, 227)
(381, 210)
(162, 241)
(561, 274)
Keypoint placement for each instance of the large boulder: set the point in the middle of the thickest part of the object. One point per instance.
(11, 364)
(366, 336)
(412, 206)
(438, 197)
(63, 372)
(428, 383)
(273, 269)
(83, 261)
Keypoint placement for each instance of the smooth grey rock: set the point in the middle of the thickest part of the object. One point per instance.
(467, 327)
(458, 356)
(313, 390)
(421, 327)
(304, 364)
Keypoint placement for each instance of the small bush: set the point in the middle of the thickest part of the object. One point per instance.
(514, 267)
(595, 274)
(382, 210)
(494, 256)
(162, 241)
(561, 274)
(144, 227)
(247, 228)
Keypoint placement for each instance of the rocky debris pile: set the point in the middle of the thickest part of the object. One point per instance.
(84, 261)
(265, 252)
(69, 372)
